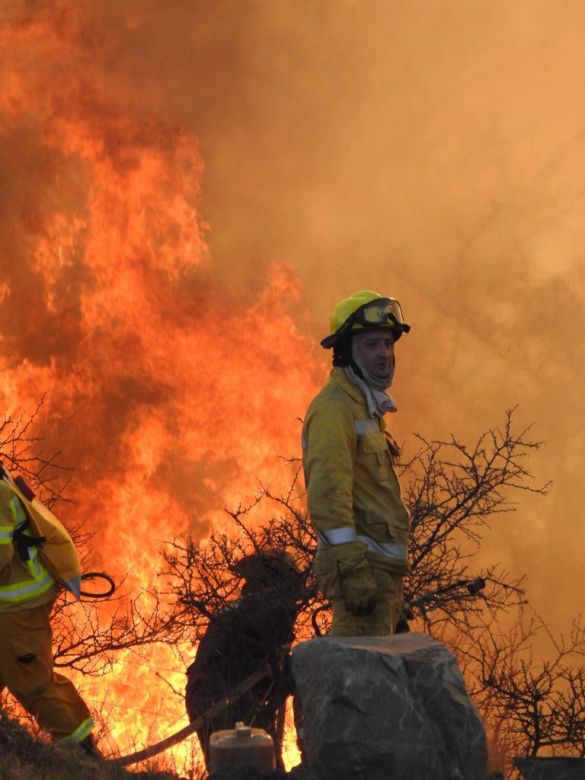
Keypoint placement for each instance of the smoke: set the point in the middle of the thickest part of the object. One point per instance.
(174, 151)
(167, 391)
(431, 151)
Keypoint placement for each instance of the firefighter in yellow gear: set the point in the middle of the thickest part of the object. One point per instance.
(27, 592)
(353, 494)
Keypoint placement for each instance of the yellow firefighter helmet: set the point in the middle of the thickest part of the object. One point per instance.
(365, 309)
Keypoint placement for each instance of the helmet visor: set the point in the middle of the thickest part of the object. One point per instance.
(385, 312)
(382, 313)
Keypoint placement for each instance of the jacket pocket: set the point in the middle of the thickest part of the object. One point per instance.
(376, 456)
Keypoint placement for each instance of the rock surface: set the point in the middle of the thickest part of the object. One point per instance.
(376, 708)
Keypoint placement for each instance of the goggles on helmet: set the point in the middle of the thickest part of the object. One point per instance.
(381, 313)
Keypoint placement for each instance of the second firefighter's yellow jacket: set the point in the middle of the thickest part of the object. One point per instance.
(353, 493)
(23, 583)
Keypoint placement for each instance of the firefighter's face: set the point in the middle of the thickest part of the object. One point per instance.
(376, 349)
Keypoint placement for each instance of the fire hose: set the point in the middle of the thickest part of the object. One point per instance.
(98, 575)
(473, 587)
(211, 712)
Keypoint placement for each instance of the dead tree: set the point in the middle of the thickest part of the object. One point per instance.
(536, 705)
(453, 492)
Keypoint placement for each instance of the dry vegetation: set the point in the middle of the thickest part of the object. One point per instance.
(454, 491)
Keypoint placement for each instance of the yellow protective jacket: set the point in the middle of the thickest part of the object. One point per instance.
(353, 492)
(23, 583)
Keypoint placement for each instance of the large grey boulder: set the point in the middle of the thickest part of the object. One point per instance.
(387, 708)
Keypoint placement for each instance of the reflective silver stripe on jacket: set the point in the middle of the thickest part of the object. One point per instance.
(388, 549)
(344, 535)
(366, 426)
(337, 536)
(6, 532)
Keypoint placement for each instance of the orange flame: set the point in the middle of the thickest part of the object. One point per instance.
(167, 393)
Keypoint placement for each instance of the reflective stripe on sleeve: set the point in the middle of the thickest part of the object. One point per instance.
(344, 535)
(337, 536)
(80, 733)
(388, 549)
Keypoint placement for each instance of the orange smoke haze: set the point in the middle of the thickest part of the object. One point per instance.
(431, 150)
(167, 392)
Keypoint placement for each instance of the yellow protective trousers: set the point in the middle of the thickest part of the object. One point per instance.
(386, 608)
(26, 669)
